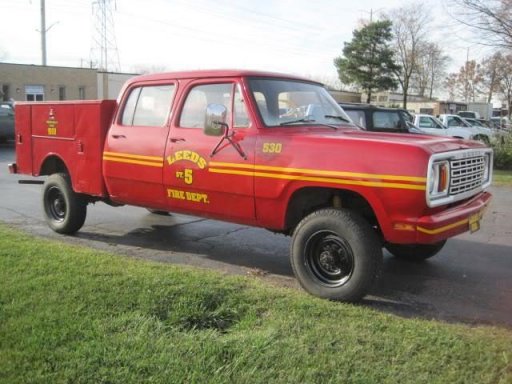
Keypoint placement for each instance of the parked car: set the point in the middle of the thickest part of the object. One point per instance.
(469, 114)
(373, 118)
(499, 123)
(6, 122)
(479, 133)
(429, 124)
(478, 122)
(481, 128)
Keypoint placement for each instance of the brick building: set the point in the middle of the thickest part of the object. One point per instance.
(21, 82)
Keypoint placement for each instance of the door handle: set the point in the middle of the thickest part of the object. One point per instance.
(119, 136)
(176, 139)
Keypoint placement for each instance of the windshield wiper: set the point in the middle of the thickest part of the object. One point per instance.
(309, 120)
(338, 118)
(303, 120)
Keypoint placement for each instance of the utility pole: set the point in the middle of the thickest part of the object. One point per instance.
(43, 31)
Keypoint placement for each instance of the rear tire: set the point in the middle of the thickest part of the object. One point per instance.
(64, 210)
(415, 252)
(335, 254)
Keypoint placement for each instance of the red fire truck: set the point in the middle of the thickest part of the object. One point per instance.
(260, 149)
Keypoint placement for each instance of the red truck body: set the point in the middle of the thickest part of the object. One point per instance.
(73, 132)
(263, 174)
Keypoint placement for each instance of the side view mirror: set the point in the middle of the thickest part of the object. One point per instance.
(215, 120)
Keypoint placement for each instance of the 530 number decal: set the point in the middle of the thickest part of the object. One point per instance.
(272, 147)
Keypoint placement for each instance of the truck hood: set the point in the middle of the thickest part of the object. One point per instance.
(429, 143)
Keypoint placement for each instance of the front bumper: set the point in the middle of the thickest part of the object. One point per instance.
(462, 217)
(454, 221)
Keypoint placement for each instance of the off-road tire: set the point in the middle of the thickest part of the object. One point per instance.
(64, 210)
(336, 255)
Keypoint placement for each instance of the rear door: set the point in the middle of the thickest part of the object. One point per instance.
(134, 150)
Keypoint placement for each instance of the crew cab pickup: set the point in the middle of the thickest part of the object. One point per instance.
(261, 149)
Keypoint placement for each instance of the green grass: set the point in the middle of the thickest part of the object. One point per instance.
(500, 177)
(76, 315)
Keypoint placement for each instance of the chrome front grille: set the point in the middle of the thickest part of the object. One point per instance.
(470, 172)
(466, 174)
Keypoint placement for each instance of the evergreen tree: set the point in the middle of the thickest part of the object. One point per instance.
(367, 60)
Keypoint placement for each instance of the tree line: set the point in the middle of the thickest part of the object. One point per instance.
(397, 53)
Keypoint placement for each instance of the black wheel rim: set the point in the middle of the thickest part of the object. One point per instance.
(329, 258)
(55, 204)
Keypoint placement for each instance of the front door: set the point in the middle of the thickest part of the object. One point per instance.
(219, 185)
(133, 159)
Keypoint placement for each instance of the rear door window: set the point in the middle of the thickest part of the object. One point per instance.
(148, 106)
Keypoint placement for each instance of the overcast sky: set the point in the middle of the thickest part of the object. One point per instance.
(300, 37)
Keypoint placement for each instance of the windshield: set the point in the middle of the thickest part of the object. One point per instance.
(475, 123)
(289, 102)
(455, 121)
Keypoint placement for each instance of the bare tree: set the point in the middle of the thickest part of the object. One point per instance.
(489, 71)
(491, 18)
(451, 85)
(466, 83)
(430, 68)
(145, 69)
(410, 24)
(505, 81)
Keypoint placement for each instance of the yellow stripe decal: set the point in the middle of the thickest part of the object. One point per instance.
(319, 172)
(133, 161)
(443, 229)
(130, 156)
(319, 179)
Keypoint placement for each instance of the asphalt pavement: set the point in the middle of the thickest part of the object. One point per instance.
(469, 281)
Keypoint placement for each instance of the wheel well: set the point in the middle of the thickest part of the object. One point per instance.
(53, 164)
(307, 200)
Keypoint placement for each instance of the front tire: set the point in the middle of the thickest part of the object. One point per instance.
(336, 255)
(64, 210)
(415, 252)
